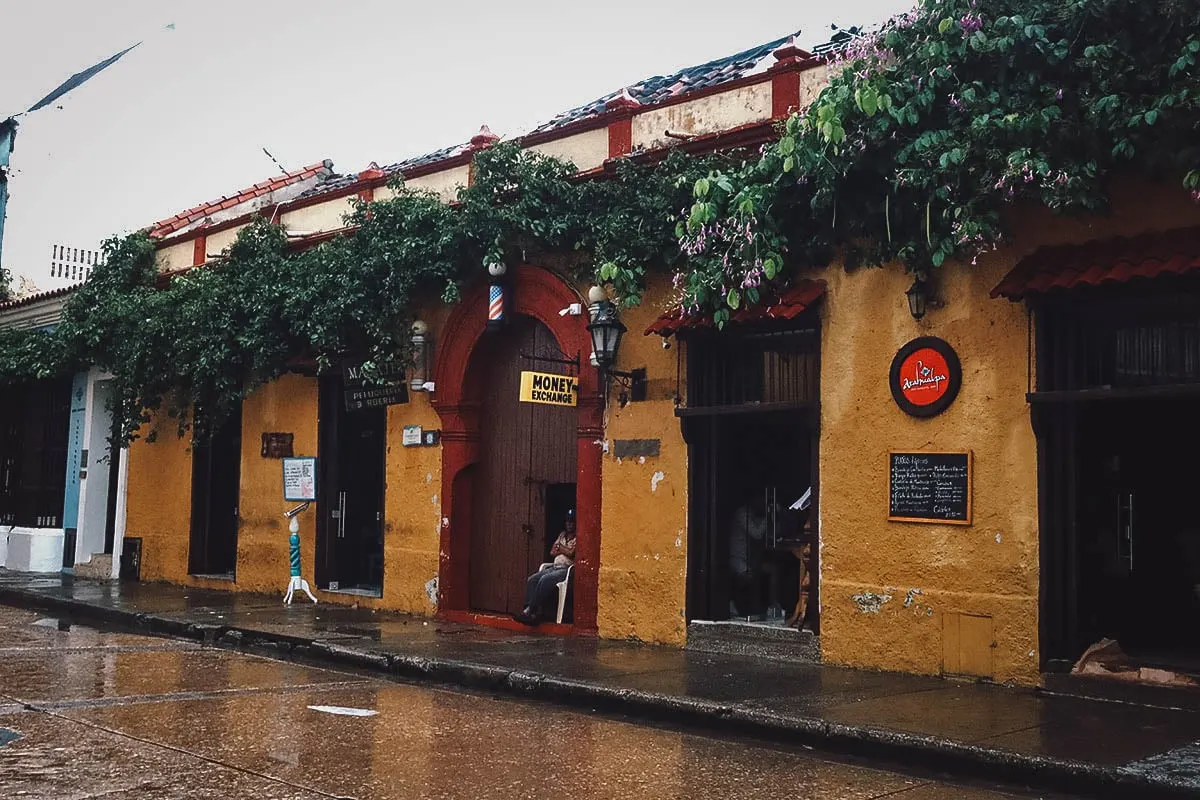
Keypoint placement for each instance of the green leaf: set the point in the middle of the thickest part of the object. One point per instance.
(733, 299)
(945, 25)
(870, 103)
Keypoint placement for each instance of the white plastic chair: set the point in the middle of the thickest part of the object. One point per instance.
(562, 589)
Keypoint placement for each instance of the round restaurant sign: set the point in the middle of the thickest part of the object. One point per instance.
(926, 376)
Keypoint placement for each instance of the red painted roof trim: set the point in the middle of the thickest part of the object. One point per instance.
(1106, 262)
(602, 119)
(166, 227)
(698, 144)
(802, 296)
(458, 160)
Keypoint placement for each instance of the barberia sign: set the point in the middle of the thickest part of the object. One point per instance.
(926, 376)
(384, 385)
(543, 387)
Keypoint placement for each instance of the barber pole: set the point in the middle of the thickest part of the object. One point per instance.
(495, 306)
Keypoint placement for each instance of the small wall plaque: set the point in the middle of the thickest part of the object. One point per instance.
(412, 436)
(633, 448)
(277, 445)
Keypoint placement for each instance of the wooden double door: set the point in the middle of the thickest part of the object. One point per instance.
(524, 481)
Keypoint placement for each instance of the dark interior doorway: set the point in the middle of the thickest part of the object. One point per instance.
(1138, 552)
(525, 480)
(752, 427)
(216, 476)
(352, 449)
(746, 541)
(34, 423)
(1115, 410)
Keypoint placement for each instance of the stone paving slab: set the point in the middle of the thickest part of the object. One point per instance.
(981, 731)
(104, 764)
(99, 674)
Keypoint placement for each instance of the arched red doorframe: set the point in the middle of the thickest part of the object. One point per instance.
(537, 293)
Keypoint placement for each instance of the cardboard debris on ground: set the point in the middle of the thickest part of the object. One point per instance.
(1106, 658)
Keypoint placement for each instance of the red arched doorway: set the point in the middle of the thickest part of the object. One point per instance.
(539, 295)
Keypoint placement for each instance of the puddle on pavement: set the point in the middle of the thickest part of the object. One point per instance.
(8, 735)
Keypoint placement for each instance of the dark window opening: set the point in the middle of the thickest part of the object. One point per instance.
(34, 420)
(767, 367)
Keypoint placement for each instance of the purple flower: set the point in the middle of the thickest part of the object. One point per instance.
(970, 23)
(1058, 95)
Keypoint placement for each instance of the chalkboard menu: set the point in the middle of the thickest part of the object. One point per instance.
(930, 487)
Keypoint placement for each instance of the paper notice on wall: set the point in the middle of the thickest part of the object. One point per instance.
(300, 479)
(804, 501)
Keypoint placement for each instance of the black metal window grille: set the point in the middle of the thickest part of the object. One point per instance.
(1104, 342)
(34, 420)
(734, 369)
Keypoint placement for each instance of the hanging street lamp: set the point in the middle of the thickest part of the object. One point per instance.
(606, 330)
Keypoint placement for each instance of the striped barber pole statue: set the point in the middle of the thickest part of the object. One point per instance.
(495, 306)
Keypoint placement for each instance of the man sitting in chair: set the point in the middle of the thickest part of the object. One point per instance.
(541, 588)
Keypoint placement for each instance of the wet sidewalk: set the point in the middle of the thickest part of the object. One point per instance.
(972, 730)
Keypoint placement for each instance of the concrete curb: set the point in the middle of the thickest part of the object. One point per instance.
(895, 748)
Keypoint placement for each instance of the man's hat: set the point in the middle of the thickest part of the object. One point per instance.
(571, 514)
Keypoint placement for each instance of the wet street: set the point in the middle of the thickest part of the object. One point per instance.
(86, 714)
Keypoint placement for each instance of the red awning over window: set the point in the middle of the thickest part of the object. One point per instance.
(1103, 263)
(793, 302)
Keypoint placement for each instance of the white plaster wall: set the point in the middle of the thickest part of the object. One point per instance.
(717, 112)
(3, 547)
(122, 496)
(444, 184)
(812, 81)
(177, 256)
(586, 150)
(93, 489)
(217, 242)
(328, 216)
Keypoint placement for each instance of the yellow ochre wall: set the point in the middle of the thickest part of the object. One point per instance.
(159, 501)
(159, 495)
(886, 586)
(890, 591)
(288, 405)
(643, 545)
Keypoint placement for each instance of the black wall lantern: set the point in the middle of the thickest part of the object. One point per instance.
(606, 330)
(918, 296)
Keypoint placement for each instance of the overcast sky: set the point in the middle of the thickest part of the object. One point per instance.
(183, 118)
